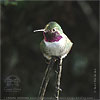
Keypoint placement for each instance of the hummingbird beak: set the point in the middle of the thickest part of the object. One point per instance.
(40, 30)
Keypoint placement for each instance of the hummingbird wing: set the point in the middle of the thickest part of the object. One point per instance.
(68, 45)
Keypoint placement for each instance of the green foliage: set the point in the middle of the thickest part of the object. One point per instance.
(9, 2)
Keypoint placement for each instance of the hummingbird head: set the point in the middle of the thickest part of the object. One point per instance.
(52, 32)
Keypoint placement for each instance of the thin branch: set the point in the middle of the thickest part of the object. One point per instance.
(46, 79)
(58, 89)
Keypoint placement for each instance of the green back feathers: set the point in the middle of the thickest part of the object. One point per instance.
(52, 25)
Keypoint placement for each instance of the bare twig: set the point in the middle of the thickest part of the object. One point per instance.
(46, 79)
(58, 79)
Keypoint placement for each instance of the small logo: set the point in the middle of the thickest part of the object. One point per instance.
(12, 83)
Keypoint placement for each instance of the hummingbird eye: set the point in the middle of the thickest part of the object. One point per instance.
(53, 29)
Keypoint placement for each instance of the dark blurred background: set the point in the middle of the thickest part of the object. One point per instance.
(22, 61)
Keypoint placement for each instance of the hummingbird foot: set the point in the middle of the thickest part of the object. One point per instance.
(47, 61)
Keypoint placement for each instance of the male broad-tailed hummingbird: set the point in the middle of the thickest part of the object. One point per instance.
(55, 42)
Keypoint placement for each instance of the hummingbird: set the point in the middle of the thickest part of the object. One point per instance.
(55, 42)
